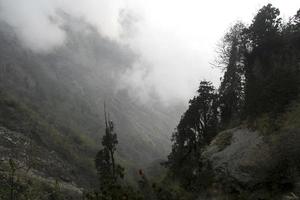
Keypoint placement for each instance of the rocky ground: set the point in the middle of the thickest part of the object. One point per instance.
(35, 162)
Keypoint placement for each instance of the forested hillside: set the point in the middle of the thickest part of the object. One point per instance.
(259, 158)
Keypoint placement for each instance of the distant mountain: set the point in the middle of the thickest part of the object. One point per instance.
(56, 100)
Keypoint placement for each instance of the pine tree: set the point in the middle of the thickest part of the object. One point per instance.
(264, 41)
(108, 171)
(196, 129)
(271, 63)
(231, 89)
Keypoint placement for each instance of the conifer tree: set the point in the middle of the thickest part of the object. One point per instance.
(231, 89)
(196, 129)
(271, 63)
(108, 171)
(263, 40)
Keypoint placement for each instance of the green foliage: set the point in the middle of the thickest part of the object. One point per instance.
(223, 140)
(167, 189)
(19, 117)
(197, 127)
(110, 173)
(291, 119)
(56, 194)
(266, 124)
(261, 79)
(17, 184)
(265, 26)
(271, 66)
(261, 67)
(283, 172)
(231, 91)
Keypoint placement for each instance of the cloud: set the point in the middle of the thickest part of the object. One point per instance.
(36, 23)
(175, 39)
(39, 26)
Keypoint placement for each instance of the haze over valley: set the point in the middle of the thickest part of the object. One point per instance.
(156, 100)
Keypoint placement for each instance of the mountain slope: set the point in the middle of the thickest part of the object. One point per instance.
(64, 90)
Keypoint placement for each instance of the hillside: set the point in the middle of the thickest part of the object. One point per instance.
(241, 140)
(56, 99)
(256, 163)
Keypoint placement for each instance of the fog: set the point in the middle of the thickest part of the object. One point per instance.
(175, 40)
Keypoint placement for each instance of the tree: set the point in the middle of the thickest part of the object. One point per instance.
(262, 40)
(110, 142)
(271, 69)
(196, 129)
(108, 171)
(265, 27)
(231, 89)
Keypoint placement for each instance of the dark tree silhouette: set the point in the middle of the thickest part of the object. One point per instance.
(196, 129)
(108, 171)
(271, 69)
(231, 89)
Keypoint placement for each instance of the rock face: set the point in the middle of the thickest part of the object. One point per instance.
(235, 159)
(246, 160)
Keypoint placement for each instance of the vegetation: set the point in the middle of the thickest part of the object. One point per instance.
(224, 139)
(260, 89)
(196, 129)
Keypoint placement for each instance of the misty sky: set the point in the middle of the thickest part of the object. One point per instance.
(175, 39)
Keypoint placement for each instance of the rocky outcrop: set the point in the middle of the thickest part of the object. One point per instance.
(245, 150)
(245, 161)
